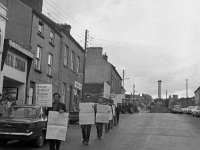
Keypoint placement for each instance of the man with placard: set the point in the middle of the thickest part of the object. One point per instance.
(86, 119)
(57, 123)
(102, 116)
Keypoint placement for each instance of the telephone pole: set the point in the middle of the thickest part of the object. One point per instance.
(186, 88)
(84, 61)
(123, 78)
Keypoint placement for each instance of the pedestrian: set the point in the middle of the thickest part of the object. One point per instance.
(60, 107)
(99, 125)
(117, 110)
(86, 129)
(107, 125)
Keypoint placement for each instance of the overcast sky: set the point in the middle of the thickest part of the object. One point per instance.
(150, 39)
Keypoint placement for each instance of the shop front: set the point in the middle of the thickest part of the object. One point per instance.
(16, 63)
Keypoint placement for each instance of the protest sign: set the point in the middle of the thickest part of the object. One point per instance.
(86, 114)
(102, 115)
(57, 125)
(113, 110)
(44, 95)
(110, 113)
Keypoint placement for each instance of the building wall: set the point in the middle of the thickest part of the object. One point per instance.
(18, 27)
(116, 82)
(97, 69)
(197, 97)
(3, 13)
(41, 76)
(66, 75)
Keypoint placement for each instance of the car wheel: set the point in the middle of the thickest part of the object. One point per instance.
(3, 142)
(39, 142)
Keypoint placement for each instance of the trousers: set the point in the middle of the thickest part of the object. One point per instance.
(86, 132)
(54, 144)
(99, 127)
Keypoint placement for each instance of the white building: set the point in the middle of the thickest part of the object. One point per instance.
(16, 63)
(3, 19)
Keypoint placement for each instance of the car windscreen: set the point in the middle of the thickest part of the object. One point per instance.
(20, 112)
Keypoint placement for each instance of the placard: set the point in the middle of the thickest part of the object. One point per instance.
(44, 95)
(86, 114)
(57, 125)
(102, 115)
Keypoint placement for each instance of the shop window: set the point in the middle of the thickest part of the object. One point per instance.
(38, 58)
(66, 52)
(78, 65)
(50, 60)
(52, 38)
(72, 61)
(19, 64)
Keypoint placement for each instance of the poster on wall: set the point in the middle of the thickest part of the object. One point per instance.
(44, 95)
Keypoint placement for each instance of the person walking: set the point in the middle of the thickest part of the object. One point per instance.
(61, 108)
(117, 110)
(99, 125)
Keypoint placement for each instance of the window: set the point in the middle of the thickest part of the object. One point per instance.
(9, 60)
(38, 58)
(72, 60)
(19, 64)
(49, 70)
(66, 51)
(52, 37)
(41, 28)
(78, 65)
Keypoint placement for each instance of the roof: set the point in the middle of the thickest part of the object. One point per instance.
(116, 71)
(197, 90)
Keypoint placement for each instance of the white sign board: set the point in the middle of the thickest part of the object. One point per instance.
(110, 113)
(106, 90)
(44, 95)
(57, 125)
(102, 115)
(86, 114)
(78, 85)
(117, 98)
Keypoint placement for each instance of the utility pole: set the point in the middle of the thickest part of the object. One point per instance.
(84, 61)
(186, 88)
(166, 94)
(134, 91)
(123, 78)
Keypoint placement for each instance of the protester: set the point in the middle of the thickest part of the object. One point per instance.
(86, 129)
(117, 110)
(99, 125)
(107, 125)
(60, 107)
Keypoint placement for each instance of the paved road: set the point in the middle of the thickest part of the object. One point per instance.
(143, 131)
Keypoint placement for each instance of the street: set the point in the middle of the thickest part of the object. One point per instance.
(142, 131)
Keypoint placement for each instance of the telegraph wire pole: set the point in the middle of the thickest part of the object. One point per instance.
(84, 61)
(123, 78)
(186, 88)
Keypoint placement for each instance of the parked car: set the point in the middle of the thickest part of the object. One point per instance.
(196, 111)
(177, 109)
(23, 123)
(73, 117)
(189, 109)
(184, 110)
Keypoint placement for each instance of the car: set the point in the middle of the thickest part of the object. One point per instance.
(189, 109)
(184, 110)
(196, 111)
(23, 123)
(177, 109)
(73, 117)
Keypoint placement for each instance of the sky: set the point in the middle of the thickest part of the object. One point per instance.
(150, 39)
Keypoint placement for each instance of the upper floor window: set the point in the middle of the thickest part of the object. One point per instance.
(9, 60)
(38, 58)
(50, 60)
(66, 52)
(52, 37)
(19, 64)
(41, 28)
(78, 65)
(72, 60)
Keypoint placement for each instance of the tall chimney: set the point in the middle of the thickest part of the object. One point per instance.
(159, 88)
(105, 57)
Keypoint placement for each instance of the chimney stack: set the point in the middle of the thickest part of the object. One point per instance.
(159, 88)
(105, 57)
(66, 28)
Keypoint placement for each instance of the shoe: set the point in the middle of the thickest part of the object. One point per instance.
(84, 141)
(99, 138)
